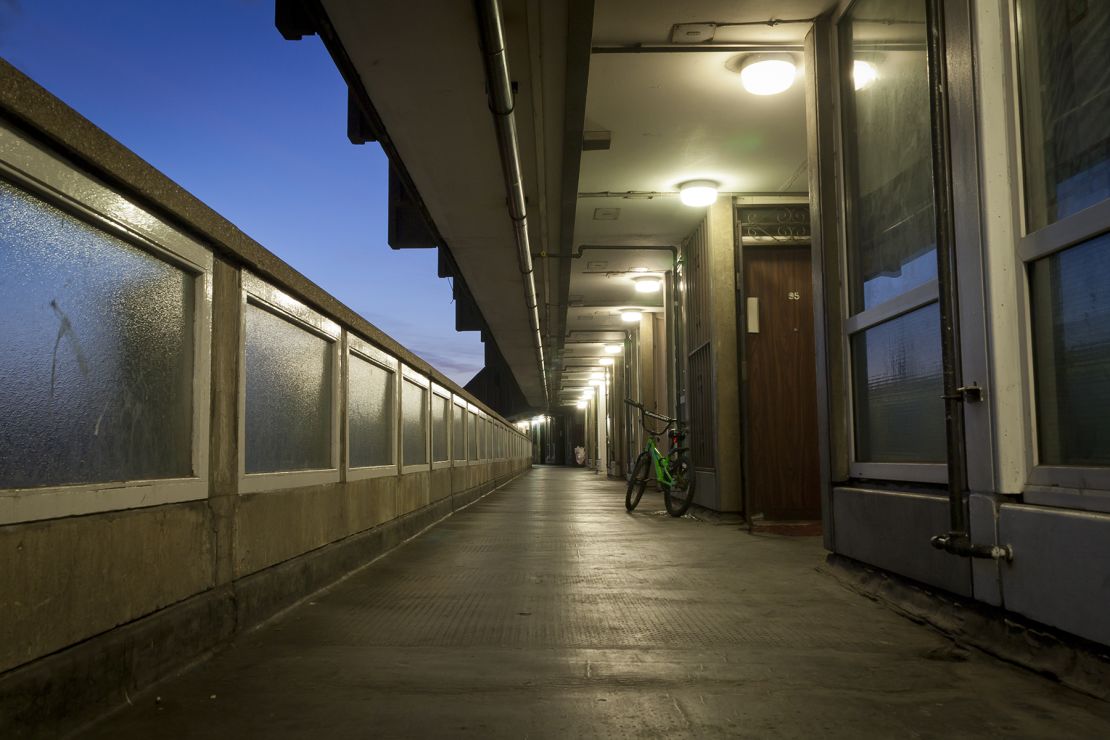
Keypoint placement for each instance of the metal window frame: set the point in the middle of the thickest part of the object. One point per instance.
(268, 297)
(438, 391)
(1071, 486)
(852, 324)
(49, 177)
(362, 349)
(413, 376)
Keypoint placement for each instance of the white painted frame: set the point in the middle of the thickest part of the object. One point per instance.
(363, 350)
(269, 298)
(416, 378)
(1072, 486)
(459, 407)
(441, 392)
(854, 323)
(50, 178)
(477, 436)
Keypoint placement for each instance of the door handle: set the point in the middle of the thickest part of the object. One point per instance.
(753, 315)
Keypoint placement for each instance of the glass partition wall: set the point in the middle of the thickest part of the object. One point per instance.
(893, 322)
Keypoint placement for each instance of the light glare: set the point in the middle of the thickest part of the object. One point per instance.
(863, 74)
(630, 317)
(767, 76)
(698, 193)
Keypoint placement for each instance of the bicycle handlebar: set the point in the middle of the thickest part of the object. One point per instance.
(665, 419)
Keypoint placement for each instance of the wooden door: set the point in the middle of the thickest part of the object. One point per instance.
(783, 477)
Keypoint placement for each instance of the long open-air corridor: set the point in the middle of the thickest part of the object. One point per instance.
(545, 610)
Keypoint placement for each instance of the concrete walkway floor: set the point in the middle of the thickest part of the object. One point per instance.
(545, 610)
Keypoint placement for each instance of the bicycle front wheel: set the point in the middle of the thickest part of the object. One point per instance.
(678, 495)
(637, 481)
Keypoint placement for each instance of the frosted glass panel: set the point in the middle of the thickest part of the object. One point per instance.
(898, 386)
(1065, 94)
(888, 150)
(1071, 338)
(288, 395)
(370, 414)
(439, 428)
(458, 432)
(472, 436)
(96, 353)
(414, 399)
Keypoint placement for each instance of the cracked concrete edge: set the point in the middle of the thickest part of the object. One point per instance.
(1076, 663)
(61, 694)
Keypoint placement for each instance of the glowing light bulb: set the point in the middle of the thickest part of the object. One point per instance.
(762, 76)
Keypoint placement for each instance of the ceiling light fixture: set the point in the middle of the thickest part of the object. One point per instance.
(698, 193)
(767, 75)
(647, 284)
(630, 317)
(581, 404)
(606, 360)
(863, 74)
(612, 349)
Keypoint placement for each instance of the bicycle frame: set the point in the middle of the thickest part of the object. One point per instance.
(662, 469)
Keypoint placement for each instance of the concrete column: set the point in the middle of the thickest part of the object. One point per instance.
(602, 406)
(223, 455)
(722, 276)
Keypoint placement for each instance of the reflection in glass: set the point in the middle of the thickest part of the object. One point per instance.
(1071, 350)
(458, 432)
(370, 413)
(96, 353)
(888, 151)
(1065, 94)
(898, 389)
(288, 395)
(439, 428)
(414, 428)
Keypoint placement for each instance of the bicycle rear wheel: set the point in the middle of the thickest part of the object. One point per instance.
(637, 481)
(679, 495)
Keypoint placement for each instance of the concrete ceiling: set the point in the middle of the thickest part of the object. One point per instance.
(422, 65)
(672, 116)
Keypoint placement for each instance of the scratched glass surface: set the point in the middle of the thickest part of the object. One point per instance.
(898, 389)
(458, 433)
(288, 395)
(414, 426)
(1065, 86)
(369, 413)
(96, 353)
(439, 428)
(1071, 350)
(472, 436)
(888, 151)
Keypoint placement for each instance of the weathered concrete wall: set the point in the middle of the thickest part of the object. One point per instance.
(93, 607)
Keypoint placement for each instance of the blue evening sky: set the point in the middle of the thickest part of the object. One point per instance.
(208, 92)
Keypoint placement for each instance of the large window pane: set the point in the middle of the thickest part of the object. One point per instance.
(472, 436)
(439, 428)
(898, 389)
(288, 395)
(370, 414)
(888, 150)
(1065, 97)
(414, 430)
(96, 353)
(458, 432)
(1071, 337)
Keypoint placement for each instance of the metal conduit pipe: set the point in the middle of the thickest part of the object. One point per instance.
(500, 92)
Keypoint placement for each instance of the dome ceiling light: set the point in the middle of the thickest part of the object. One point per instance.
(767, 75)
(698, 193)
(630, 316)
(612, 349)
(647, 284)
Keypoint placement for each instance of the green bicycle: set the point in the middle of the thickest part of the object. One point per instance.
(674, 471)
